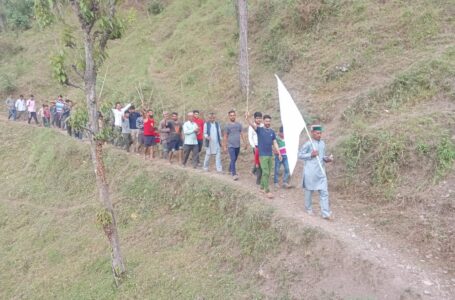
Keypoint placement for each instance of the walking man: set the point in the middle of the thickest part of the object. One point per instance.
(149, 135)
(59, 109)
(164, 133)
(253, 139)
(10, 105)
(232, 134)
(212, 135)
(314, 177)
(20, 107)
(118, 113)
(266, 143)
(200, 136)
(175, 138)
(190, 144)
(134, 115)
(126, 131)
(283, 162)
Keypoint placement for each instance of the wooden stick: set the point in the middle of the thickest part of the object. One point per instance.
(102, 86)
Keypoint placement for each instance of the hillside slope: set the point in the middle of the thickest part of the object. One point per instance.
(380, 75)
(184, 235)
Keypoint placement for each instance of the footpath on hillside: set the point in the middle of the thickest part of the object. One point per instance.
(362, 242)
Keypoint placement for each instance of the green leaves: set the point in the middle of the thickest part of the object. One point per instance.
(58, 68)
(43, 12)
(79, 118)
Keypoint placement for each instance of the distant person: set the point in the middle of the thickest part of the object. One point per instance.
(253, 139)
(140, 136)
(31, 108)
(149, 135)
(190, 144)
(134, 115)
(175, 144)
(45, 115)
(315, 179)
(53, 110)
(200, 136)
(232, 135)
(21, 108)
(68, 105)
(283, 162)
(213, 139)
(126, 132)
(164, 129)
(10, 105)
(266, 143)
(59, 109)
(118, 111)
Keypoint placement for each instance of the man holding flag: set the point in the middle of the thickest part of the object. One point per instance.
(314, 177)
(312, 152)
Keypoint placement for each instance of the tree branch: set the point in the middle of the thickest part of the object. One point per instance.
(69, 83)
(108, 31)
(77, 72)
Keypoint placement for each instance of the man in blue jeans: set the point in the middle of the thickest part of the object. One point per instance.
(284, 161)
(232, 134)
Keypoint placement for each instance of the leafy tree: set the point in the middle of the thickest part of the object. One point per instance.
(98, 24)
(16, 14)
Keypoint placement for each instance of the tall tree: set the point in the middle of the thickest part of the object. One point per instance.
(99, 24)
(244, 76)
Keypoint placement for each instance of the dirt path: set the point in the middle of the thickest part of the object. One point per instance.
(407, 276)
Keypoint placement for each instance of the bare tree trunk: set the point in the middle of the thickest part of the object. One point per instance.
(243, 37)
(96, 149)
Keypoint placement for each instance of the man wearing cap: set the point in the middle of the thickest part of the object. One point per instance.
(314, 177)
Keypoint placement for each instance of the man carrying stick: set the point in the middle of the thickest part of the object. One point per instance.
(314, 176)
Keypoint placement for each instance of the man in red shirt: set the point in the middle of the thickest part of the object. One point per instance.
(149, 134)
(200, 135)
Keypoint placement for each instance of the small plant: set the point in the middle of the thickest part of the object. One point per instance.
(7, 85)
(422, 148)
(445, 156)
(155, 7)
(104, 218)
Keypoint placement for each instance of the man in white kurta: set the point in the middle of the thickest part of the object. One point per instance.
(213, 138)
(315, 179)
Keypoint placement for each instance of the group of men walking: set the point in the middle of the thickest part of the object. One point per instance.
(177, 139)
(55, 114)
(173, 139)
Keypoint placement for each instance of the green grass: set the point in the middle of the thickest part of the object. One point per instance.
(421, 83)
(183, 236)
(387, 153)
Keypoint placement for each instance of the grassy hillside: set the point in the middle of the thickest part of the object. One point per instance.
(183, 236)
(379, 74)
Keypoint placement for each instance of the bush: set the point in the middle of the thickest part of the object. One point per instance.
(7, 85)
(19, 13)
(155, 7)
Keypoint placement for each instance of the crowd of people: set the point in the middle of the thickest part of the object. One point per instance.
(174, 139)
(56, 113)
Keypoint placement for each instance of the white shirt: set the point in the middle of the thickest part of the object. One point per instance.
(31, 105)
(253, 136)
(20, 104)
(118, 114)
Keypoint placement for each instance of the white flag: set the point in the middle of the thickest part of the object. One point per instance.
(293, 124)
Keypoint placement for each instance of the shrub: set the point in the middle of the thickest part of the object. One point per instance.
(7, 85)
(155, 7)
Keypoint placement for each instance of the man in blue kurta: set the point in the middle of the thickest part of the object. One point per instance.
(314, 178)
